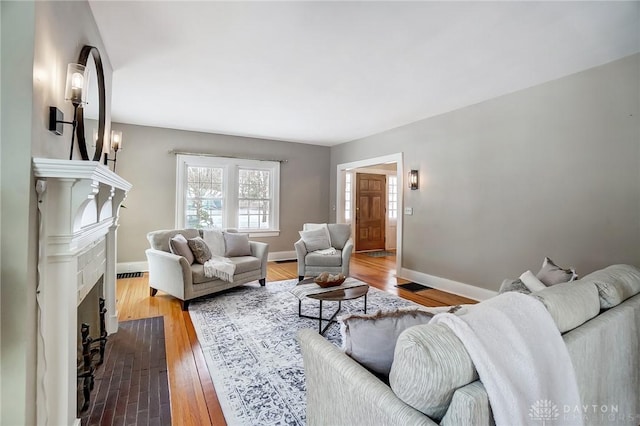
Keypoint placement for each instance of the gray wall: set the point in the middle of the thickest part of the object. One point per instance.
(146, 162)
(552, 170)
(39, 39)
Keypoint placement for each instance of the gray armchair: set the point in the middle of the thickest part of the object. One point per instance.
(311, 264)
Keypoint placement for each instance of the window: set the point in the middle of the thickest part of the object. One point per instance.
(347, 197)
(228, 193)
(392, 209)
(254, 202)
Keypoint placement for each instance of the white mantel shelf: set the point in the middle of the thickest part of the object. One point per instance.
(78, 204)
(76, 169)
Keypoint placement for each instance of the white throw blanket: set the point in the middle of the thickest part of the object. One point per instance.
(326, 252)
(220, 267)
(521, 359)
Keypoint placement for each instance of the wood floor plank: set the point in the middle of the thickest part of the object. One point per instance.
(194, 401)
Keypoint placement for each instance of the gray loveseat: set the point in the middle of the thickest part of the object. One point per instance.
(433, 380)
(174, 275)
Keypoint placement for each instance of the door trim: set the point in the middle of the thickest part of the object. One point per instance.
(391, 158)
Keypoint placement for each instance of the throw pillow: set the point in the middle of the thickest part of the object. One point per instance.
(314, 226)
(371, 339)
(552, 274)
(514, 285)
(200, 249)
(532, 282)
(179, 246)
(315, 239)
(236, 244)
(215, 241)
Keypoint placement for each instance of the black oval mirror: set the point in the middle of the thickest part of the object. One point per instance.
(91, 116)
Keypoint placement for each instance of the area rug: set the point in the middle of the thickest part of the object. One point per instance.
(248, 337)
(381, 253)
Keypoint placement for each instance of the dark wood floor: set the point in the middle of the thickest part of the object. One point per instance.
(193, 397)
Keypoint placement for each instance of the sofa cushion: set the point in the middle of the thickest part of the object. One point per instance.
(315, 259)
(236, 244)
(180, 246)
(215, 241)
(339, 234)
(514, 285)
(243, 264)
(615, 284)
(429, 364)
(552, 274)
(200, 249)
(315, 239)
(371, 339)
(570, 304)
(159, 240)
(532, 282)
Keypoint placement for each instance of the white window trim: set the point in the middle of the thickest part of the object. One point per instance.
(230, 167)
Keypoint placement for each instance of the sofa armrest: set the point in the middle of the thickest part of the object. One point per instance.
(469, 405)
(261, 251)
(346, 256)
(342, 392)
(169, 272)
(301, 252)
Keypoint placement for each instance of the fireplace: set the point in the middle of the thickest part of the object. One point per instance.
(78, 204)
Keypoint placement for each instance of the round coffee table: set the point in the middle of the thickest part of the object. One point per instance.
(337, 294)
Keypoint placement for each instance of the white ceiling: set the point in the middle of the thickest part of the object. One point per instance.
(331, 72)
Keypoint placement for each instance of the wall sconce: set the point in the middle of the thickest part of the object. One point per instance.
(413, 179)
(75, 92)
(116, 145)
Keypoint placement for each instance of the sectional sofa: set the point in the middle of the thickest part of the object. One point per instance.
(433, 380)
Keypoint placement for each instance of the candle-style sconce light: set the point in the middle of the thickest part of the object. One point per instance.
(75, 92)
(116, 145)
(413, 179)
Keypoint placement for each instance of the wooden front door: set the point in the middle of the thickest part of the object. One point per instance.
(370, 211)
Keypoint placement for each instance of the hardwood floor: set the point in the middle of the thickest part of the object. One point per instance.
(193, 396)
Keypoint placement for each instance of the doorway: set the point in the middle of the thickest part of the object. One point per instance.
(370, 212)
(391, 166)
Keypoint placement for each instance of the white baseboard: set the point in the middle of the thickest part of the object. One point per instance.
(144, 266)
(132, 267)
(445, 284)
(282, 255)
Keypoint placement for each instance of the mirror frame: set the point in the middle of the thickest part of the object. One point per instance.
(82, 140)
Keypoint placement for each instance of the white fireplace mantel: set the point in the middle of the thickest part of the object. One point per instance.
(78, 204)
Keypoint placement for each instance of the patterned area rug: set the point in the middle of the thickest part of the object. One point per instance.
(248, 336)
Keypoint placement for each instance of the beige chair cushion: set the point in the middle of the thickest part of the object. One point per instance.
(314, 259)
